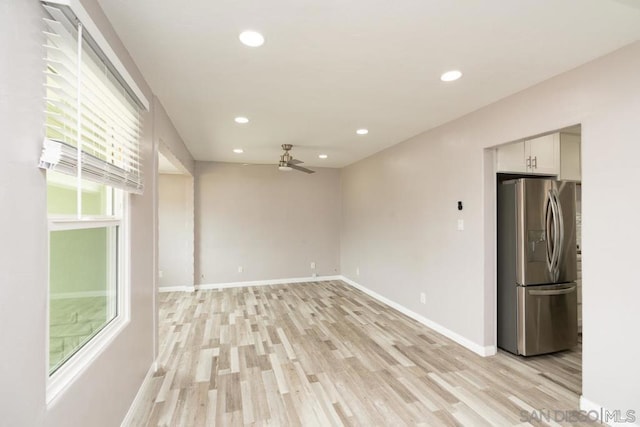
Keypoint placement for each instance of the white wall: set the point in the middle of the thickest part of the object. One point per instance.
(175, 230)
(101, 395)
(399, 216)
(272, 223)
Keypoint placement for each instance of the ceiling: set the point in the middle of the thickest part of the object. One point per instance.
(330, 67)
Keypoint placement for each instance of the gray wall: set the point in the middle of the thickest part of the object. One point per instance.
(101, 395)
(175, 230)
(169, 142)
(399, 216)
(272, 223)
(23, 224)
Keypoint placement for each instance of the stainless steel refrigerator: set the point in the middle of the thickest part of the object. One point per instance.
(537, 295)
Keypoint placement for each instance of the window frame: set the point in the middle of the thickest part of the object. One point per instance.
(84, 357)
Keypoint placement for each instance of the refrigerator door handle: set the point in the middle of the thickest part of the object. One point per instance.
(552, 292)
(554, 224)
(553, 234)
(548, 227)
(560, 243)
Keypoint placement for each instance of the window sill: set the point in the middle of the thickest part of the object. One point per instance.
(65, 376)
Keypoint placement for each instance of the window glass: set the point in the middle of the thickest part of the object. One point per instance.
(82, 284)
(62, 196)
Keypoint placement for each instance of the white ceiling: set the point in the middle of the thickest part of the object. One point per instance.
(329, 67)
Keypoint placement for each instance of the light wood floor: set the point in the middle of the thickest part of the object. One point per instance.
(327, 354)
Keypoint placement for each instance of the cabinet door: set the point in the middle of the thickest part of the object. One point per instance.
(511, 158)
(570, 157)
(544, 152)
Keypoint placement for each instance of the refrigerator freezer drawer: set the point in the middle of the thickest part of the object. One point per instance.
(547, 318)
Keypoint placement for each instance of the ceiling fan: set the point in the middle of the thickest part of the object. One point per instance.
(288, 163)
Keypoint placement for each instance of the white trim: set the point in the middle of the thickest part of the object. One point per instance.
(587, 405)
(266, 282)
(96, 35)
(81, 294)
(483, 351)
(68, 224)
(163, 289)
(137, 400)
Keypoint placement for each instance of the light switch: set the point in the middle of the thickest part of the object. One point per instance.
(460, 224)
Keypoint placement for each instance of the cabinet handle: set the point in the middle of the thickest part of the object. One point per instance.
(535, 162)
(529, 162)
(552, 292)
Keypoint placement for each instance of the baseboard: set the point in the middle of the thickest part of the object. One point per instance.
(137, 400)
(176, 289)
(604, 415)
(267, 282)
(82, 294)
(476, 348)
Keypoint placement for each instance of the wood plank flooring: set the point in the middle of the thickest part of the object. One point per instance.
(326, 354)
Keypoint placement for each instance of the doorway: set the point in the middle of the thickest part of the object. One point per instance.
(175, 224)
(559, 152)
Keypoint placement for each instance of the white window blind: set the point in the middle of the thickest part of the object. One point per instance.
(93, 120)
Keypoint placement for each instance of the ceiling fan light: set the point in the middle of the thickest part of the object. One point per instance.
(285, 168)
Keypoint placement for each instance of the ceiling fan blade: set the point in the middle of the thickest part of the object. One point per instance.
(301, 169)
(295, 162)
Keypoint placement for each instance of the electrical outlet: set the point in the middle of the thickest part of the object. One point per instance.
(423, 297)
(357, 271)
(240, 269)
(460, 224)
(313, 265)
(160, 274)
(314, 274)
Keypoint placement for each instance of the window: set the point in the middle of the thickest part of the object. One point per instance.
(85, 262)
(92, 156)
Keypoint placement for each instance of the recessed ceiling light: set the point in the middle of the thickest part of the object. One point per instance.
(242, 120)
(251, 38)
(323, 156)
(450, 76)
(362, 131)
(238, 150)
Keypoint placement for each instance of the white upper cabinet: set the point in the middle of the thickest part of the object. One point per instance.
(543, 155)
(511, 158)
(555, 154)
